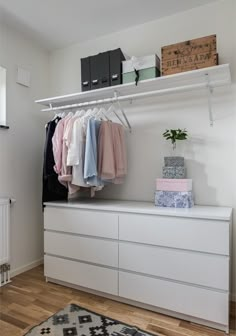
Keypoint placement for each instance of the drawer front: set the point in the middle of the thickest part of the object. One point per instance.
(196, 268)
(184, 233)
(93, 250)
(92, 223)
(93, 277)
(208, 304)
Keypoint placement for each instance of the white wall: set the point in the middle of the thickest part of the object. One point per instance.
(21, 147)
(210, 152)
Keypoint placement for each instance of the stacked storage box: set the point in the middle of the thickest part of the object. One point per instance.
(174, 190)
(147, 66)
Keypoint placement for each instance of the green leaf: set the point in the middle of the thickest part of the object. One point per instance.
(175, 134)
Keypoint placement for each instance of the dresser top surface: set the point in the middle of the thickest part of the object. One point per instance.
(198, 211)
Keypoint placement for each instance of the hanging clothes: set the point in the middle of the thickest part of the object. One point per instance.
(87, 152)
(57, 141)
(65, 174)
(60, 150)
(76, 150)
(52, 189)
(120, 155)
(91, 154)
(106, 162)
(112, 160)
(68, 134)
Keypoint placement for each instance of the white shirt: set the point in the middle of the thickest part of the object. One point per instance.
(75, 156)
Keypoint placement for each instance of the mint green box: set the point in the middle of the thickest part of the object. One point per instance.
(147, 66)
(149, 73)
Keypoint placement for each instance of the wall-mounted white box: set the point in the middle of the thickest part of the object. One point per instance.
(23, 76)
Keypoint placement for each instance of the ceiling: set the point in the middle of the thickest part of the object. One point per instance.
(59, 23)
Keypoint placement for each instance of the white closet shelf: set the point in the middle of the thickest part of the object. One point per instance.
(211, 77)
(201, 79)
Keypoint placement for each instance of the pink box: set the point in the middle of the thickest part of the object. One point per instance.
(174, 184)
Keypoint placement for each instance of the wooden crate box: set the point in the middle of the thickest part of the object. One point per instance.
(189, 55)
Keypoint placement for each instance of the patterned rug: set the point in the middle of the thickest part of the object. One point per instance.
(77, 321)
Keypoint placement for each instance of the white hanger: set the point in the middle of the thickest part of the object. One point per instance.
(100, 113)
(88, 112)
(55, 116)
(80, 113)
(124, 115)
(70, 114)
(103, 112)
(112, 109)
(62, 114)
(95, 111)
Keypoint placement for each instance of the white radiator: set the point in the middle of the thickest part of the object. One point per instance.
(4, 241)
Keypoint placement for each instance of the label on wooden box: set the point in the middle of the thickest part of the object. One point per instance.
(189, 55)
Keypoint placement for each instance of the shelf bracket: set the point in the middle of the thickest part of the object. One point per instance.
(209, 99)
(50, 106)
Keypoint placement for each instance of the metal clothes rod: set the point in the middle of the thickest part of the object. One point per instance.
(84, 104)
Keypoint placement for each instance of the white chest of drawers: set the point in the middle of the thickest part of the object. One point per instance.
(176, 261)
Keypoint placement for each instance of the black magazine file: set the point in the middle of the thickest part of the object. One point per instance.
(95, 72)
(104, 69)
(85, 74)
(116, 58)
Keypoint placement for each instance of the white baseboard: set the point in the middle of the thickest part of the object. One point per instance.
(26, 267)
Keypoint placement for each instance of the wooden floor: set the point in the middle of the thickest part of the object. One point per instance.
(29, 300)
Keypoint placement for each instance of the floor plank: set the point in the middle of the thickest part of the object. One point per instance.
(14, 321)
(29, 300)
(8, 329)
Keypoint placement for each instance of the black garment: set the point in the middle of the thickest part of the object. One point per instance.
(53, 190)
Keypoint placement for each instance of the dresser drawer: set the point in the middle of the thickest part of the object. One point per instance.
(98, 251)
(92, 223)
(197, 268)
(185, 233)
(193, 301)
(76, 273)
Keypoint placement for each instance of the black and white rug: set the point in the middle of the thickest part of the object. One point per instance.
(78, 321)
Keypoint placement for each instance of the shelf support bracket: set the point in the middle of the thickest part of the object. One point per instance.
(209, 99)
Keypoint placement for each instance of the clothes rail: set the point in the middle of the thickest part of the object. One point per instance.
(128, 97)
(201, 79)
(119, 99)
(114, 99)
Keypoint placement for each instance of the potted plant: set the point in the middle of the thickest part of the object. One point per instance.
(174, 135)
